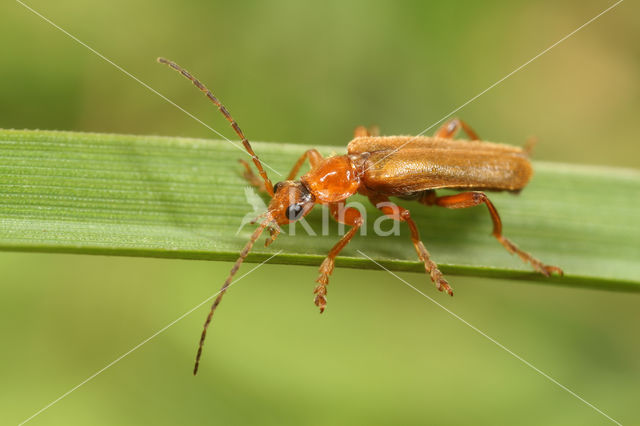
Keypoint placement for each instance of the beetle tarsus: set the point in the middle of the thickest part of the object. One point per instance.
(321, 296)
(432, 269)
(320, 291)
(439, 281)
(443, 285)
(274, 232)
(546, 270)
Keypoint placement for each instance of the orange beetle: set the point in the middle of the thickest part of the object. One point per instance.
(379, 167)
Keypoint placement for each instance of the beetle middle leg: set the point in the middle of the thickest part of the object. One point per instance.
(401, 214)
(366, 131)
(449, 129)
(474, 198)
(349, 216)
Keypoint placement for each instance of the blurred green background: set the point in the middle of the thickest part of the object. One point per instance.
(308, 72)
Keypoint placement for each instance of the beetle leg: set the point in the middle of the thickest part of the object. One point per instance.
(252, 178)
(401, 214)
(529, 144)
(314, 158)
(360, 131)
(364, 131)
(349, 216)
(312, 155)
(449, 129)
(474, 198)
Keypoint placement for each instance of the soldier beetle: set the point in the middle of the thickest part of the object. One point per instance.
(380, 167)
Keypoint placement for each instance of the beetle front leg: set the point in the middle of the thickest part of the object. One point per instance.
(474, 198)
(350, 217)
(312, 155)
(252, 178)
(401, 214)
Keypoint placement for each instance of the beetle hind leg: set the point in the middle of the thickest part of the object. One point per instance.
(546, 270)
(474, 198)
(449, 130)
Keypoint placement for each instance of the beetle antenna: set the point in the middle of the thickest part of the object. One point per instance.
(225, 112)
(243, 254)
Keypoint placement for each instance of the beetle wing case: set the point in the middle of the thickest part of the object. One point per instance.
(398, 165)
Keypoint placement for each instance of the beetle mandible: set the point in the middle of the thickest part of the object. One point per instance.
(379, 167)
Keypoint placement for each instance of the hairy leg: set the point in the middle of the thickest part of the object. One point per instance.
(449, 129)
(348, 216)
(474, 198)
(401, 214)
(312, 155)
(254, 180)
(364, 131)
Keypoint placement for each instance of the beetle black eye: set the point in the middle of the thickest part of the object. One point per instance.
(294, 211)
(277, 186)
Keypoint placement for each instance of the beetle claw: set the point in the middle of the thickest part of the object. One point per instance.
(548, 270)
(443, 285)
(321, 292)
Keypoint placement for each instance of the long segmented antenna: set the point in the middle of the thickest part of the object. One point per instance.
(243, 254)
(225, 112)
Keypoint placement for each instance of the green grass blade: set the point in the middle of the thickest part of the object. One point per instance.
(185, 198)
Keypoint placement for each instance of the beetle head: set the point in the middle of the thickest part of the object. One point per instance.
(291, 201)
